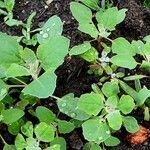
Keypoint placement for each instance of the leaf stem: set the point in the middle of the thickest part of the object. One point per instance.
(16, 86)
(20, 81)
(3, 139)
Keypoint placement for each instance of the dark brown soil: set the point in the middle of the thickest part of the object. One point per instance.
(72, 75)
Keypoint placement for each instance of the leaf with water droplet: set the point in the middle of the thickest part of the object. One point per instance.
(52, 28)
(71, 108)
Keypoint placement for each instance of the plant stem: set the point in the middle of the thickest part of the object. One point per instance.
(109, 39)
(55, 97)
(3, 139)
(20, 81)
(16, 86)
(3, 12)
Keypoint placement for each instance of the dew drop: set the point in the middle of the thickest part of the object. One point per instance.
(45, 35)
(48, 29)
(73, 115)
(100, 138)
(63, 105)
(41, 32)
(107, 132)
(53, 24)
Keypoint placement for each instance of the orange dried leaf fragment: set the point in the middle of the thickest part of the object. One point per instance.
(139, 137)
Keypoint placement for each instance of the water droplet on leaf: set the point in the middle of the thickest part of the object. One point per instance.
(45, 35)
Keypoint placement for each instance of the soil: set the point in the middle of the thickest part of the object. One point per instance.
(72, 75)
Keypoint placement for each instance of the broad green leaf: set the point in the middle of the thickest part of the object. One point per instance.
(9, 147)
(112, 141)
(14, 128)
(48, 116)
(27, 129)
(121, 46)
(130, 91)
(81, 13)
(69, 106)
(126, 104)
(44, 132)
(134, 77)
(112, 101)
(93, 4)
(99, 128)
(2, 4)
(114, 119)
(131, 124)
(91, 146)
(11, 115)
(52, 53)
(91, 103)
(80, 49)
(142, 95)
(28, 56)
(91, 55)
(65, 127)
(9, 50)
(89, 28)
(16, 70)
(20, 142)
(9, 5)
(54, 147)
(52, 28)
(32, 144)
(146, 114)
(43, 86)
(138, 46)
(145, 65)
(110, 89)
(110, 17)
(60, 141)
(124, 61)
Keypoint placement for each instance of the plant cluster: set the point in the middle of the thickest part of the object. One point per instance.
(30, 73)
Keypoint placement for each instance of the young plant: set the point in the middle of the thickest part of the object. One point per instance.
(6, 9)
(102, 112)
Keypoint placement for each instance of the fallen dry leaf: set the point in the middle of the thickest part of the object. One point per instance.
(139, 137)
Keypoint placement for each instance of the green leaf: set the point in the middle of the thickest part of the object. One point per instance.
(9, 5)
(52, 28)
(99, 128)
(65, 127)
(138, 46)
(44, 132)
(142, 95)
(16, 70)
(110, 89)
(60, 141)
(81, 13)
(48, 116)
(52, 53)
(124, 61)
(91, 55)
(9, 147)
(91, 103)
(80, 49)
(11, 115)
(14, 128)
(112, 141)
(27, 129)
(20, 142)
(114, 119)
(112, 101)
(134, 77)
(32, 144)
(93, 4)
(110, 17)
(43, 86)
(9, 50)
(28, 56)
(69, 106)
(126, 104)
(89, 28)
(121, 46)
(131, 124)
(54, 147)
